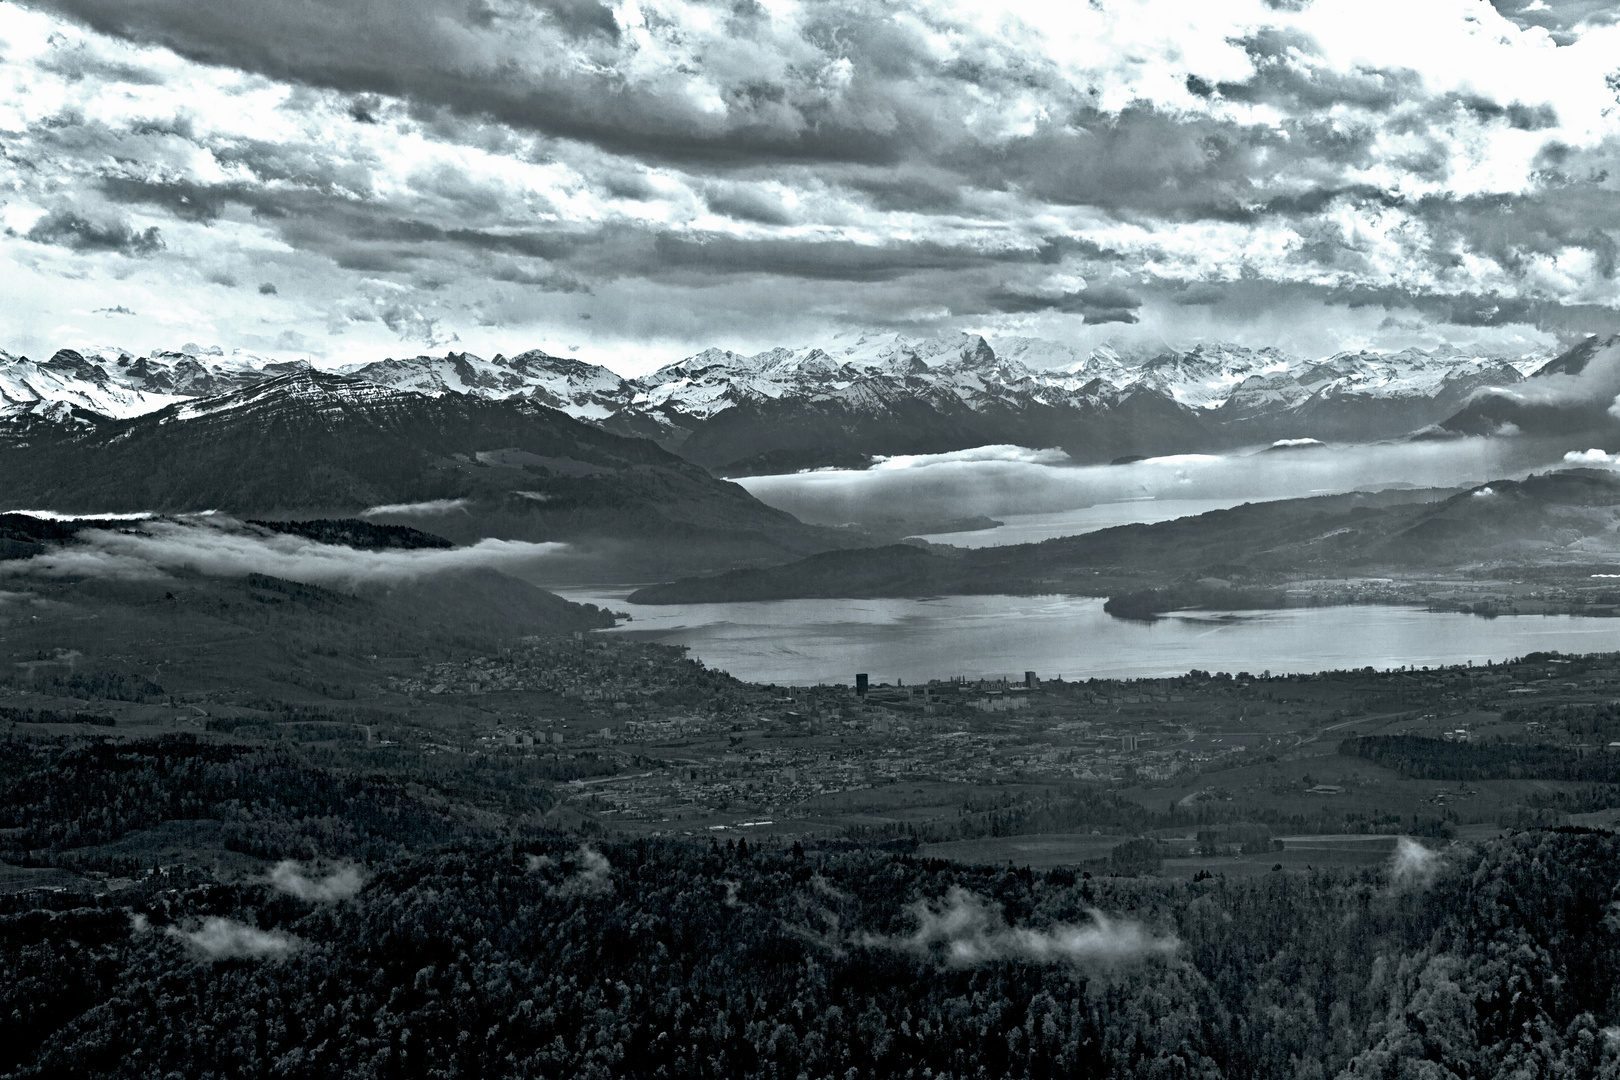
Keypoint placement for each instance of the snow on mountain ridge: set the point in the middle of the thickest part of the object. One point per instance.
(69, 381)
(1210, 376)
(583, 391)
(855, 370)
(711, 381)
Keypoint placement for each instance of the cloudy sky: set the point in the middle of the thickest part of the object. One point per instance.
(629, 182)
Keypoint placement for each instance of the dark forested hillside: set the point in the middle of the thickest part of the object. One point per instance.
(314, 445)
(1436, 759)
(541, 957)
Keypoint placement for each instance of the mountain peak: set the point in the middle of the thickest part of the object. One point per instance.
(308, 387)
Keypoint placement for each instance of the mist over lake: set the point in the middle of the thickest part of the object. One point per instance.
(1003, 480)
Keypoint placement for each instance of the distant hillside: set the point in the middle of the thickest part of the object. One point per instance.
(1569, 398)
(352, 532)
(310, 445)
(1568, 515)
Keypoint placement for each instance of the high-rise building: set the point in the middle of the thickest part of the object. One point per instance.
(860, 684)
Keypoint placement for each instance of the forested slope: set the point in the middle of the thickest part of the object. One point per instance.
(541, 957)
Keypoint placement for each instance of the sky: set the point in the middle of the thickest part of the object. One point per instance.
(630, 183)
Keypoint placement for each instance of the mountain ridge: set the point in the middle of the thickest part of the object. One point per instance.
(1563, 517)
(858, 396)
(309, 445)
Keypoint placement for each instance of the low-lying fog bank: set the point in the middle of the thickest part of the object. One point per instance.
(1013, 480)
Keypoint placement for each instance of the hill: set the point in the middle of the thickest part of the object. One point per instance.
(311, 445)
(1559, 517)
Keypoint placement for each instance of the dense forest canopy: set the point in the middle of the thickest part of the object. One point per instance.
(548, 957)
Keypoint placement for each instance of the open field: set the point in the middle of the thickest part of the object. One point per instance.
(1038, 851)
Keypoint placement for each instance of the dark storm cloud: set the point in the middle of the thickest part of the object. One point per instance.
(746, 203)
(580, 18)
(372, 235)
(187, 200)
(1253, 299)
(479, 60)
(1281, 79)
(1560, 18)
(1511, 230)
(1143, 159)
(837, 260)
(907, 188)
(73, 230)
(1096, 303)
(1476, 309)
(1186, 167)
(546, 280)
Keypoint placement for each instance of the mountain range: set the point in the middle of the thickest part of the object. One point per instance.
(310, 444)
(855, 398)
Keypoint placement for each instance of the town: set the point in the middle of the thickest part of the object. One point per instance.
(660, 744)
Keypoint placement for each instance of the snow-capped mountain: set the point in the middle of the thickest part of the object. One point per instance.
(115, 383)
(766, 411)
(859, 395)
(69, 381)
(1409, 375)
(717, 379)
(1249, 380)
(583, 391)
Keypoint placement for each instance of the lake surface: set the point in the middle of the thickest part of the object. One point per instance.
(804, 642)
(1033, 528)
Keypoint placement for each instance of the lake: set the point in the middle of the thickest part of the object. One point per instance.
(1033, 528)
(804, 642)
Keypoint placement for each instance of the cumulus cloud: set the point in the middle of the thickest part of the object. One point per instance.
(69, 229)
(226, 939)
(220, 547)
(1564, 20)
(340, 883)
(965, 930)
(517, 165)
(1593, 457)
(1414, 866)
